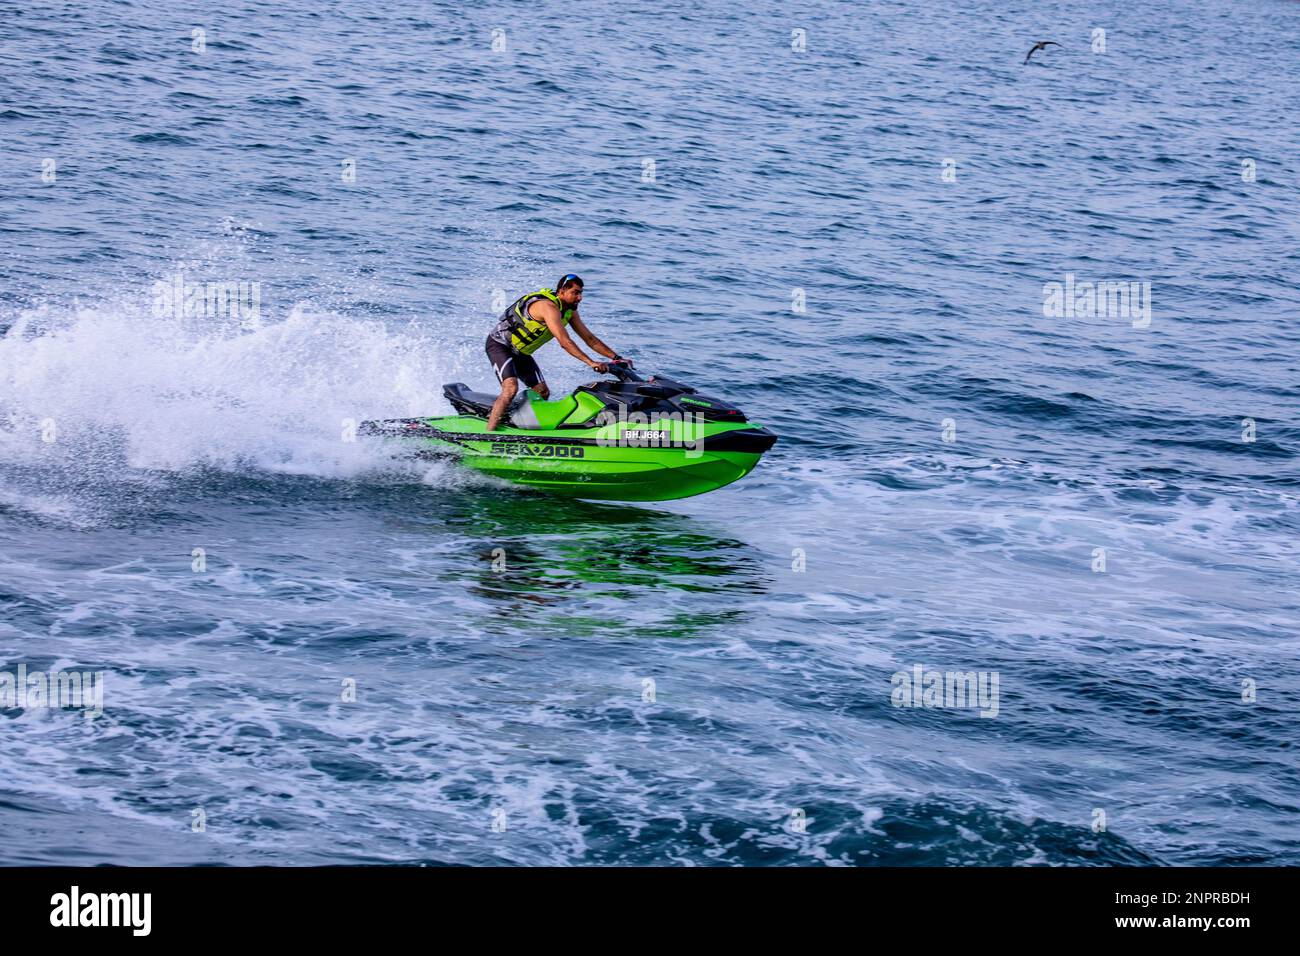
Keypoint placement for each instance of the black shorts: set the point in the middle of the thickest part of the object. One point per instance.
(508, 363)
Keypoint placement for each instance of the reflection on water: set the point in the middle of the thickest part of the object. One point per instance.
(536, 554)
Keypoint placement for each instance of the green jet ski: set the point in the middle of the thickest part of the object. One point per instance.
(633, 439)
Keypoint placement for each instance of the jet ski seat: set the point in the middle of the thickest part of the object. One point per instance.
(468, 402)
(528, 410)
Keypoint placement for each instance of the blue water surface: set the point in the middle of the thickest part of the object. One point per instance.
(843, 216)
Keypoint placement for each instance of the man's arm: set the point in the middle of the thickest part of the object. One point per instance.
(589, 337)
(551, 316)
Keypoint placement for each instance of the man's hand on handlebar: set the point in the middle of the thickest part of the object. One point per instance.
(613, 366)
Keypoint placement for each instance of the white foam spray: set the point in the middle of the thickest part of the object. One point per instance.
(113, 385)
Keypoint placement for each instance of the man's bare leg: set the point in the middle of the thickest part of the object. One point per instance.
(509, 387)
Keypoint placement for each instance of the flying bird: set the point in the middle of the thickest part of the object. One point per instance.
(1040, 45)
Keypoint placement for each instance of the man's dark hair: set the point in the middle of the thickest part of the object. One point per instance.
(567, 281)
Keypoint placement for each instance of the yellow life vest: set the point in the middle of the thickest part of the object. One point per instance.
(524, 333)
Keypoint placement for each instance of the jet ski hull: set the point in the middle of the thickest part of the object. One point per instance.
(582, 465)
(635, 440)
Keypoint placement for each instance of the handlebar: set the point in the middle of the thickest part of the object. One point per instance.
(651, 386)
(622, 371)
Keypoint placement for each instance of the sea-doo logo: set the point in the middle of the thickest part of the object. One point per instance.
(520, 450)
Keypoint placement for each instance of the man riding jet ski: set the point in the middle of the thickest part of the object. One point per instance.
(634, 439)
(530, 322)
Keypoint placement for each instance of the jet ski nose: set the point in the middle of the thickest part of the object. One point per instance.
(749, 441)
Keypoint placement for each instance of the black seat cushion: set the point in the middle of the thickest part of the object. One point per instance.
(468, 402)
